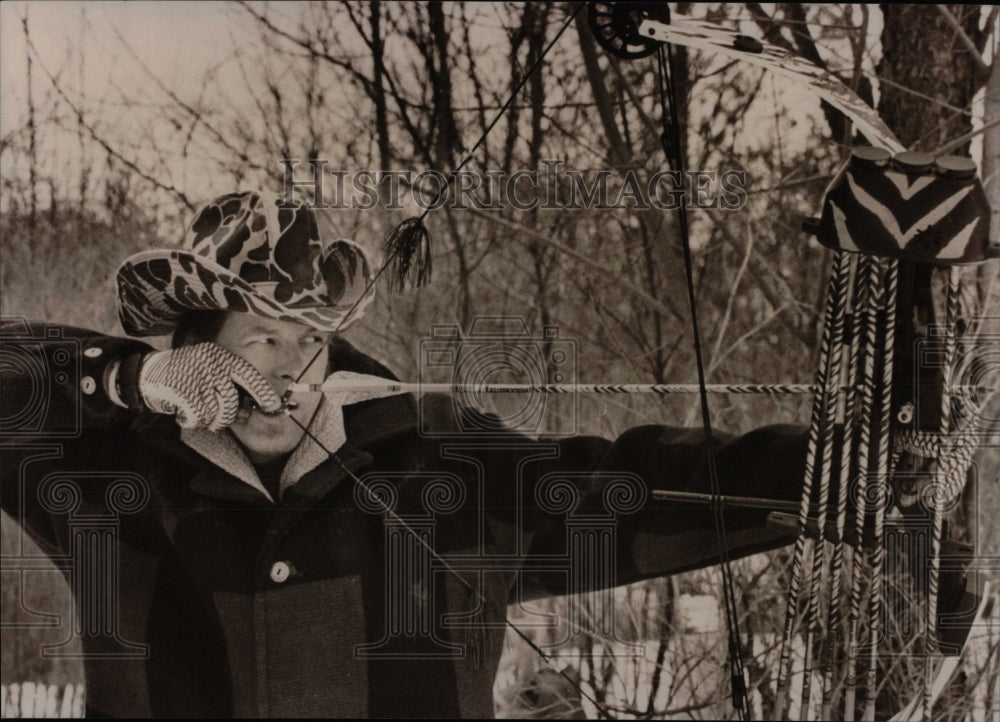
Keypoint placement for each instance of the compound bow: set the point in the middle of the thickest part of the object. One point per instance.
(863, 419)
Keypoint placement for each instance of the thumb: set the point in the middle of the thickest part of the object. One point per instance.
(186, 417)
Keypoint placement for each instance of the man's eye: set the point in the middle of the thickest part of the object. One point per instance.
(314, 340)
(262, 340)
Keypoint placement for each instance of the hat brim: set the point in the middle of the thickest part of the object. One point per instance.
(157, 288)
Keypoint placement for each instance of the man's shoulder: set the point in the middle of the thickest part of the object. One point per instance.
(377, 420)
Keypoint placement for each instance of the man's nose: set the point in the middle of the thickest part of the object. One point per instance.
(290, 363)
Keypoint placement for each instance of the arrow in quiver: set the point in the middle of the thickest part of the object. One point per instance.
(888, 374)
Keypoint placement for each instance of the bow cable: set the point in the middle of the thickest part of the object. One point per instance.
(674, 149)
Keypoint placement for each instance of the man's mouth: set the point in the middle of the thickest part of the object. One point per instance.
(287, 406)
(248, 406)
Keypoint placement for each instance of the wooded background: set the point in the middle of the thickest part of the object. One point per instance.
(104, 153)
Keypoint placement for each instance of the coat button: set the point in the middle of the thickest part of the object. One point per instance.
(92, 352)
(88, 385)
(280, 571)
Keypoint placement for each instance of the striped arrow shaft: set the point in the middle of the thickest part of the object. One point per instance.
(409, 387)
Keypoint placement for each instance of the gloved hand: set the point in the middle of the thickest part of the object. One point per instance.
(199, 383)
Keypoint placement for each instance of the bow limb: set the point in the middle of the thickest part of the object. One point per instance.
(709, 37)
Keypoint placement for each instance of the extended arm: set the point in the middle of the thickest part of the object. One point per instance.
(657, 538)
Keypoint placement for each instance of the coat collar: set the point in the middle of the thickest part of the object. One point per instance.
(214, 482)
(222, 449)
(229, 473)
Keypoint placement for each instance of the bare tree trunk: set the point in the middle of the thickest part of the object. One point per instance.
(447, 138)
(987, 462)
(540, 254)
(920, 53)
(988, 290)
(84, 156)
(378, 89)
(930, 75)
(32, 148)
(927, 74)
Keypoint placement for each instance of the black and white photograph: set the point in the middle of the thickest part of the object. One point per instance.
(569, 360)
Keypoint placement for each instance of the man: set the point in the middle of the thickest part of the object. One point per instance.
(285, 553)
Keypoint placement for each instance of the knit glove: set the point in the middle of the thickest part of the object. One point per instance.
(198, 384)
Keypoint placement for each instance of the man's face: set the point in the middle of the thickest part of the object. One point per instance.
(279, 350)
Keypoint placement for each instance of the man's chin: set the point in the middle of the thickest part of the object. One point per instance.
(267, 436)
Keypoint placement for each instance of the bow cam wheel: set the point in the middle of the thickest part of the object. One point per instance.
(616, 26)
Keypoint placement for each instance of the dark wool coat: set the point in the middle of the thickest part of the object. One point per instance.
(199, 596)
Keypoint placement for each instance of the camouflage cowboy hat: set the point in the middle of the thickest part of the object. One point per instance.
(249, 252)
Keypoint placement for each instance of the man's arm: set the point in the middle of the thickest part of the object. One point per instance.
(669, 537)
(57, 415)
(56, 381)
(654, 538)
(79, 391)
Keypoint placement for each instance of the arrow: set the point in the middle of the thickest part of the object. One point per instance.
(388, 387)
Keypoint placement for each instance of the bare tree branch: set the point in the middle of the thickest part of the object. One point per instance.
(129, 163)
(770, 28)
(977, 56)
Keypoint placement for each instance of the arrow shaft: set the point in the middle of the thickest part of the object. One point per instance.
(409, 387)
